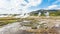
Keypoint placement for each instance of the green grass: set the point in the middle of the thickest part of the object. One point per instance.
(7, 20)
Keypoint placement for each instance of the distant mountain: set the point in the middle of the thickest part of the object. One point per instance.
(52, 12)
(37, 11)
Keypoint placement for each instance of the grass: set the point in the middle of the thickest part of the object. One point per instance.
(7, 20)
(33, 19)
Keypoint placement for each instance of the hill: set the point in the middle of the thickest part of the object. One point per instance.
(51, 12)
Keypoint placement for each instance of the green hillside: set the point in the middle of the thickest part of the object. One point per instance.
(51, 12)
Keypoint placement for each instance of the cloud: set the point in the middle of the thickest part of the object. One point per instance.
(31, 3)
(57, 1)
(17, 6)
(34, 2)
(52, 7)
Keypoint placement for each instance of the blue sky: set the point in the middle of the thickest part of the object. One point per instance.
(25, 6)
(45, 4)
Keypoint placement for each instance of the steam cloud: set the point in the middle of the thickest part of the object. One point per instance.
(17, 6)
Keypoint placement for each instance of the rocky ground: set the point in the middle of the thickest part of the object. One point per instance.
(16, 28)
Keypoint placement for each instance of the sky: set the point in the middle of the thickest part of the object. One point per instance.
(26, 6)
